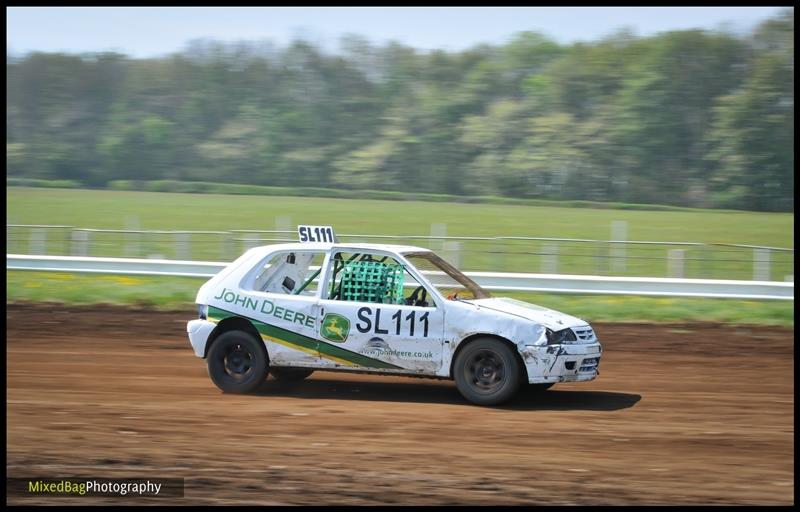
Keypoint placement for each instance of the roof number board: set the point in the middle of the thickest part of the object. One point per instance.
(316, 234)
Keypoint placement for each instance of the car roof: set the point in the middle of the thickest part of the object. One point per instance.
(326, 246)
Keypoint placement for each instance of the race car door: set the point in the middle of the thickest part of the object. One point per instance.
(374, 315)
(284, 293)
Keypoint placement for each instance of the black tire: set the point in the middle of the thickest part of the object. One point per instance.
(290, 374)
(237, 362)
(487, 372)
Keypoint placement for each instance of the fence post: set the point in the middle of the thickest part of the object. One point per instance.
(9, 240)
(452, 252)
(499, 256)
(438, 230)
(675, 259)
(619, 232)
(65, 240)
(550, 259)
(132, 239)
(600, 261)
(228, 246)
(183, 250)
(38, 241)
(707, 254)
(761, 259)
(80, 243)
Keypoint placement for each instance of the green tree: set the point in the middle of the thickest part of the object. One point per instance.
(753, 134)
(693, 117)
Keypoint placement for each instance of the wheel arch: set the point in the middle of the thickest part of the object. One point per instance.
(234, 323)
(472, 337)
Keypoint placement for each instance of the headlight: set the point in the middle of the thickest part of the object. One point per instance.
(558, 337)
(202, 310)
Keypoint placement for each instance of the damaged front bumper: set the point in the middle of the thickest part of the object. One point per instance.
(562, 363)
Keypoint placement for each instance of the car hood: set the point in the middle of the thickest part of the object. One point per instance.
(550, 318)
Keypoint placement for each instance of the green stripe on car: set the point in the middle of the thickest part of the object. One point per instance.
(325, 349)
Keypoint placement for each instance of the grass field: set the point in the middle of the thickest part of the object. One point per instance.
(166, 211)
(179, 293)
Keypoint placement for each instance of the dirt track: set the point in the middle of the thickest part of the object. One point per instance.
(681, 414)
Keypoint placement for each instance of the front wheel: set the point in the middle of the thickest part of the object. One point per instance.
(487, 372)
(237, 362)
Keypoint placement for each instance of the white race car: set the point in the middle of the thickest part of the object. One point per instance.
(290, 309)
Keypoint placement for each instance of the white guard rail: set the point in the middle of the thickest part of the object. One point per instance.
(558, 283)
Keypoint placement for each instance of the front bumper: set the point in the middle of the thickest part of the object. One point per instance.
(199, 331)
(562, 363)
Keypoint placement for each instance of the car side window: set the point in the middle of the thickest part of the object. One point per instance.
(290, 273)
(373, 278)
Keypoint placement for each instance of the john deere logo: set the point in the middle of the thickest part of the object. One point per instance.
(335, 327)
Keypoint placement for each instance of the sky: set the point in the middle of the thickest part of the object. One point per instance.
(153, 31)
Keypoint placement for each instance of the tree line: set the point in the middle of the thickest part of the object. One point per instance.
(688, 118)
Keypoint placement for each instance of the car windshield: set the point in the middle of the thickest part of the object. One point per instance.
(447, 279)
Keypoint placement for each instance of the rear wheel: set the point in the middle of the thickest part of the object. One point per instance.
(290, 374)
(237, 362)
(487, 372)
